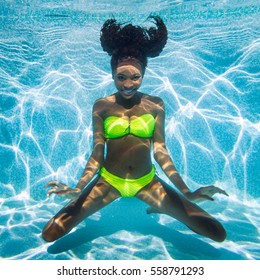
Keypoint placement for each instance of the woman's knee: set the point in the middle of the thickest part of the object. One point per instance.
(210, 227)
(220, 233)
(52, 231)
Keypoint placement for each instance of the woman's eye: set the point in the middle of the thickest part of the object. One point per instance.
(121, 78)
(137, 77)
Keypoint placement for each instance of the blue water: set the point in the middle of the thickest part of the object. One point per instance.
(52, 69)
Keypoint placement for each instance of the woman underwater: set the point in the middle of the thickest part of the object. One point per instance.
(130, 124)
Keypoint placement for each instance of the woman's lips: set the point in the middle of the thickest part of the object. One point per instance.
(127, 92)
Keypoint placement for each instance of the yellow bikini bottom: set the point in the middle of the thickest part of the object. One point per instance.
(127, 187)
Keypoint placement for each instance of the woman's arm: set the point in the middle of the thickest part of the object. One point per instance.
(161, 154)
(96, 158)
(163, 158)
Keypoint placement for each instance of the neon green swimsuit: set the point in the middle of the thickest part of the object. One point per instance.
(116, 127)
(127, 187)
(142, 126)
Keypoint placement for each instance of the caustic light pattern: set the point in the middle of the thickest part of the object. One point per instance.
(52, 69)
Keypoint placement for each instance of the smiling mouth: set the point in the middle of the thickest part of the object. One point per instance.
(127, 92)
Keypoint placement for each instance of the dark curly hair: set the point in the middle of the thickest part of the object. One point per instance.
(133, 41)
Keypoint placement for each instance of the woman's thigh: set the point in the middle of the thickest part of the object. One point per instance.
(93, 198)
(164, 199)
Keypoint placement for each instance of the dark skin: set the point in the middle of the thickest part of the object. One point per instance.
(130, 157)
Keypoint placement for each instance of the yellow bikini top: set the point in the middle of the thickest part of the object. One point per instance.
(142, 126)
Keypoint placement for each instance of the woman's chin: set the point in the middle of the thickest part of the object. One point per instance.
(128, 95)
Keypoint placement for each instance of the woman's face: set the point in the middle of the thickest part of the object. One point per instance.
(128, 79)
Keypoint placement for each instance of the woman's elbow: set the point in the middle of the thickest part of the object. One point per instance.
(158, 157)
(160, 153)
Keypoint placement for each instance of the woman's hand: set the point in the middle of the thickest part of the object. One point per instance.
(62, 190)
(204, 193)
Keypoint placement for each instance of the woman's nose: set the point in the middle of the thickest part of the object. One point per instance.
(128, 84)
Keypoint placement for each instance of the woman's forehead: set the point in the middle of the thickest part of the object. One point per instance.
(128, 69)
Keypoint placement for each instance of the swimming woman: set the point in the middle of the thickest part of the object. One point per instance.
(131, 124)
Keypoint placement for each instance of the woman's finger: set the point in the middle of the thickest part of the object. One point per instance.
(51, 191)
(211, 190)
(51, 184)
(54, 183)
(222, 192)
(57, 190)
(208, 197)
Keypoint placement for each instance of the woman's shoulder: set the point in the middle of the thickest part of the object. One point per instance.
(153, 99)
(104, 101)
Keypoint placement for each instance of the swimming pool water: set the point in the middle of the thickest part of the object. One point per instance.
(52, 69)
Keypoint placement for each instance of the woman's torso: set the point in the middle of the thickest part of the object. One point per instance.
(129, 156)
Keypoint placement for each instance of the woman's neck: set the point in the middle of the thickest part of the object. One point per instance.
(128, 103)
